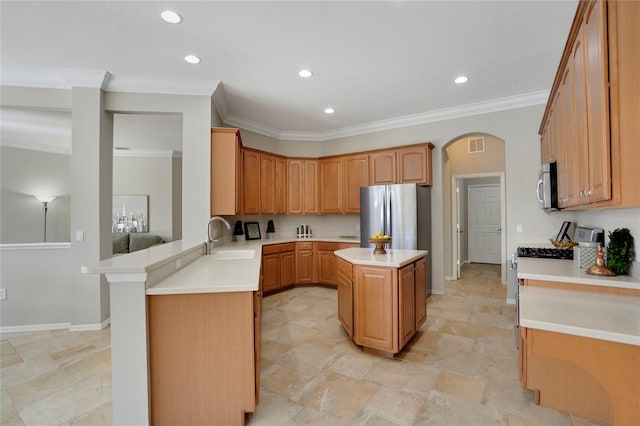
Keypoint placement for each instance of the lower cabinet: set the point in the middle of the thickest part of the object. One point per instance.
(278, 266)
(304, 262)
(202, 345)
(345, 295)
(388, 304)
(327, 272)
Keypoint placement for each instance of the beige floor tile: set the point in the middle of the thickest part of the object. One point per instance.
(396, 407)
(40, 388)
(312, 417)
(272, 350)
(311, 354)
(354, 365)
(460, 386)
(10, 359)
(449, 344)
(24, 372)
(8, 413)
(338, 395)
(290, 334)
(290, 378)
(273, 410)
(100, 416)
(404, 376)
(445, 410)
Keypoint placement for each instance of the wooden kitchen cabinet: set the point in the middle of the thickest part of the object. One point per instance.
(267, 184)
(590, 123)
(303, 186)
(203, 357)
(304, 263)
(345, 295)
(251, 182)
(278, 266)
(281, 185)
(405, 165)
(261, 189)
(326, 266)
(389, 304)
(331, 184)
(355, 175)
(226, 172)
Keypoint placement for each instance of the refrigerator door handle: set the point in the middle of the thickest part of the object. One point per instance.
(387, 212)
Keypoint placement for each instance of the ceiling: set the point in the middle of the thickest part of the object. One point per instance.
(378, 64)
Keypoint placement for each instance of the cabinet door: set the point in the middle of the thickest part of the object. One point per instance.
(295, 189)
(407, 305)
(281, 185)
(375, 303)
(421, 292)
(287, 269)
(412, 165)
(271, 272)
(310, 187)
(267, 184)
(327, 267)
(330, 186)
(226, 161)
(382, 167)
(251, 182)
(566, 108)
(257, 322)
(356, 175)
(345, 303)
(580, 118)
(597, 79)
(305, 266)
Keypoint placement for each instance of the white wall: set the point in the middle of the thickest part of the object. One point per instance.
(23, 174)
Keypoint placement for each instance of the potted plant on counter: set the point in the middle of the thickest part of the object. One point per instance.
(620, 251)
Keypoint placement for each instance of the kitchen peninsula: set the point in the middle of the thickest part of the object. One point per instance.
(186, 326)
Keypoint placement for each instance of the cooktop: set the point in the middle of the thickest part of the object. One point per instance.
(545, 253)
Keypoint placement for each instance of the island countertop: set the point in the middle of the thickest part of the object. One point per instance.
(394, 258)
(609, 317)
(564, 271)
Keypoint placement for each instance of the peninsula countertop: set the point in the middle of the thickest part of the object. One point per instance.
(564, 271)
(394, 258)
(609, 317)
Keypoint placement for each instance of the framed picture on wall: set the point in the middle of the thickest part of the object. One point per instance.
(130, 213)
(252, 230)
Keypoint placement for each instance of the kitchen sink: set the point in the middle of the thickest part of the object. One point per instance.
(234, 254)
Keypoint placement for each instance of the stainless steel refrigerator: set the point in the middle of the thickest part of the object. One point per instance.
(402, 211)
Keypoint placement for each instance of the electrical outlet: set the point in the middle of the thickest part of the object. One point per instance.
(3, 294)
(79, 236)
(519, 229)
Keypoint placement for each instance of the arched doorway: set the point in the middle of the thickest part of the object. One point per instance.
(474, 163)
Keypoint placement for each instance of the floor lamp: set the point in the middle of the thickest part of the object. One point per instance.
(45, 200)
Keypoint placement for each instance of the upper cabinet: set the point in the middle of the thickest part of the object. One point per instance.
(340, 181)
(303, 186)
(226, 171)
(590, 126)
(264, 183)
(404, 165)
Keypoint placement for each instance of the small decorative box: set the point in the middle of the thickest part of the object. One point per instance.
(584, 256)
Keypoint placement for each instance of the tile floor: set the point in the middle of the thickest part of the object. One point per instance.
(460, 369)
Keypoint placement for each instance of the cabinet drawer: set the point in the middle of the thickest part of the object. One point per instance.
(344, 268)
(278, 248)
(307, 245)
(324, 246)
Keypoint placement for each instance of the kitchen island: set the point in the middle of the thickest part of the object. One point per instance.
(580, 340)
(382, 298)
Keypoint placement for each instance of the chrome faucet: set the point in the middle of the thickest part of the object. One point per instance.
(209, 238)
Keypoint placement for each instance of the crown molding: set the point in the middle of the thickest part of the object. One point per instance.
(31, 146)
(233, 120)
(166, 86)
(41, 80)
(80, 78)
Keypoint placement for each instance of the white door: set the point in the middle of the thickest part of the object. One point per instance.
(484, 224)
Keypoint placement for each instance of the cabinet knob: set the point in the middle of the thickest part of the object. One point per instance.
(589, 192)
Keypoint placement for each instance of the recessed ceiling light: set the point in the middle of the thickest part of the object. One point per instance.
(461, 79)
(329, 111)
(305, 73)
(192, 59)
(171, 17)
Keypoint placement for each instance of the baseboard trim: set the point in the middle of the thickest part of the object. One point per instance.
(90, 327)
(438, 292)
(511, 301)
(34, 327)
(450, 278)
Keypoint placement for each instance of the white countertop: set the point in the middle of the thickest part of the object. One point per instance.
(609, 317)
(564, 271)
(394, 258)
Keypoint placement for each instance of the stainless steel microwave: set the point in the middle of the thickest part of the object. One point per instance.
(548, 186)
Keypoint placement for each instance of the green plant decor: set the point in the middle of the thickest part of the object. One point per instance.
(620, 251)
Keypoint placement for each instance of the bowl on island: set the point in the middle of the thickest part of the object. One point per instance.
(379, 243)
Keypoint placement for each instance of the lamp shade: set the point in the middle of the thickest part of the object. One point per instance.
(45, 198)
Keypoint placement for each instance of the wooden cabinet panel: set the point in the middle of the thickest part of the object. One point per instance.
(345, 303)
(421, 292)
(407, 301)
(382, 168)
(267, 184)
(356, 175)
(251, 181)
(303, 186)
(281, 185)
(304, 266)
(375, 300)
(201, 345)
(295, 189)
(581, 144)
(412, 166)
(327, 272)
(310, 194)
(287, 269)
(271, 272)
(226, 172)
(331, 184)
(257, 329)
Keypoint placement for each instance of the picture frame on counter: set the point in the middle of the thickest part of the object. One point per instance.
(252, 230)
